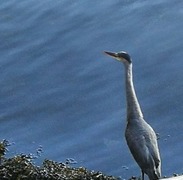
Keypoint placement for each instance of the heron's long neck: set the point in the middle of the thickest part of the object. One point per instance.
(133, 107)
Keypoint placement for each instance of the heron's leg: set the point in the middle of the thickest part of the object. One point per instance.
(142, 175)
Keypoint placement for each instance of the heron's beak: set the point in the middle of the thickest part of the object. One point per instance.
(112, 54)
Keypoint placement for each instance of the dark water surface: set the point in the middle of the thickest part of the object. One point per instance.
(60, 91)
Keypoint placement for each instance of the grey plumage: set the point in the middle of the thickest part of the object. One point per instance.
(141, 138)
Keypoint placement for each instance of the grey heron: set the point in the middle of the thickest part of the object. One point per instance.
(140, 136)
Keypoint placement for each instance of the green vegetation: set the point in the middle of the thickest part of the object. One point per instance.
(21, 167)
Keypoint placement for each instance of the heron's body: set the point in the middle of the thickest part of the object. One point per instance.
(140, 136)
(143, 146)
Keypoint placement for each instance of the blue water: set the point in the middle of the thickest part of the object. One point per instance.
(60, 91)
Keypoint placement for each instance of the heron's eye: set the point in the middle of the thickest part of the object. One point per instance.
(125, 56)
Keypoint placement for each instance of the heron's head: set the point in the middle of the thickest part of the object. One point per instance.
(120, 56)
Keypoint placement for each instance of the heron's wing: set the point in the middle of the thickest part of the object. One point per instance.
(153, 148)
(154, 151)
